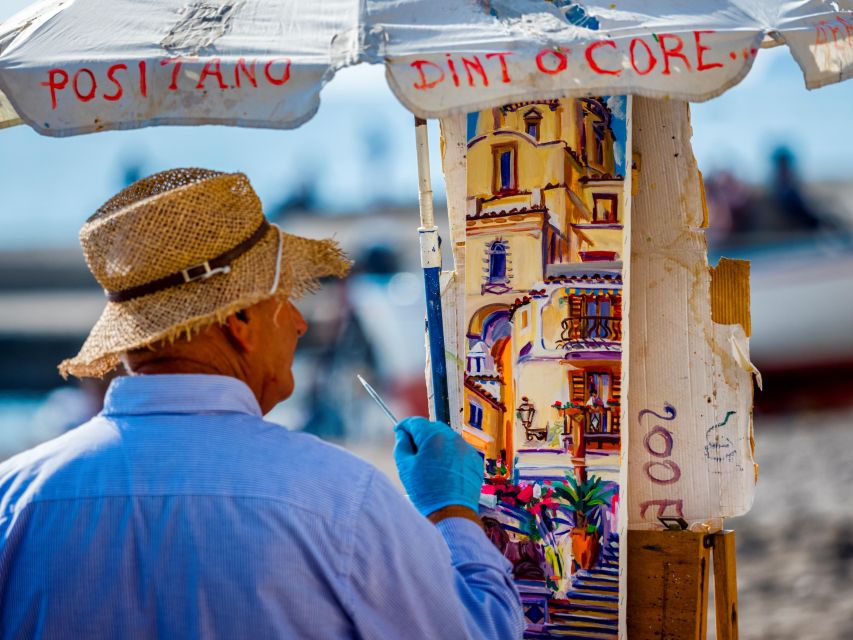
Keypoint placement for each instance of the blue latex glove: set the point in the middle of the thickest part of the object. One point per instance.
(437, 467)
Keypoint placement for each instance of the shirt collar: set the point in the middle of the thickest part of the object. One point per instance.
(179, 393)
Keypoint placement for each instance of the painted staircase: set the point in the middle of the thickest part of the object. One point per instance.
(591, 608)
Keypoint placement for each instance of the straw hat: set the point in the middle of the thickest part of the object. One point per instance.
(182, 249)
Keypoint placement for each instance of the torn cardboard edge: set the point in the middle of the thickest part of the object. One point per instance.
(730, 293)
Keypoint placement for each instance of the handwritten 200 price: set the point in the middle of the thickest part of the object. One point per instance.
(662, 470)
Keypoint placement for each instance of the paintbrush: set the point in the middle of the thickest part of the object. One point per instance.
(372, 393)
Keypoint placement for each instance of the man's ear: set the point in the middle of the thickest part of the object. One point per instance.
(239, 332)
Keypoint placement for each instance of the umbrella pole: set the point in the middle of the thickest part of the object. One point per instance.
(431, 264)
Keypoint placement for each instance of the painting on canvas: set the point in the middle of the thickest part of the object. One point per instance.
(546, 205)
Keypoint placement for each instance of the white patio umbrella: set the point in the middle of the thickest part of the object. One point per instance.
(77, 66)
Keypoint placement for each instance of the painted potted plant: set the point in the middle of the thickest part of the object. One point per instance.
(568, 408)
(585, 501)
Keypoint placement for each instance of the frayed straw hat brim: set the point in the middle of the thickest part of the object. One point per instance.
(188, 308)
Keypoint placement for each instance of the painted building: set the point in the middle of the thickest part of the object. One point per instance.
(543, 282)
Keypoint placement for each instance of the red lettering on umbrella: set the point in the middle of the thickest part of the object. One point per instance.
(285, 76)
(674, 52)
(701, 65)
(93, 85)
(476, 66)
(176, 69)
(452, 68)
(143, 79)
(560, 57)
(212, 68)
(848, 28)
(424, 84)
(597, 68)
(57, 80)
(111, 76)
(652, 60)
(249, 72)
(501, 56)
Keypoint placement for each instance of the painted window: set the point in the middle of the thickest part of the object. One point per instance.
(476, 359)
(504, 169)
(497, 262)
(594, 131)
(593, 305)
(524, 319)
(598, 311)
(599, 132)
(475, 415)
(593, 389)
(597, 386)
(605, 208)
(598, 391)
(532, 121)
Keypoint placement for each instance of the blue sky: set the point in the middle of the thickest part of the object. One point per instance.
(360, 149)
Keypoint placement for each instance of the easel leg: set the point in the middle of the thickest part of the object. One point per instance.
(725, 585)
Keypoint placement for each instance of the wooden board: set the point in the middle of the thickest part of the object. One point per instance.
(667, 585)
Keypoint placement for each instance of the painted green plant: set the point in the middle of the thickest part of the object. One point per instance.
(585, 499)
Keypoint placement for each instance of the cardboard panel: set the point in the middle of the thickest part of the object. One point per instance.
(691, 379)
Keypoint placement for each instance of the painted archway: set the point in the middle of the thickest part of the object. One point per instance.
(490, 333)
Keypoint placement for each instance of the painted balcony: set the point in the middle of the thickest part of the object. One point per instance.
(601, 421)
(585, 331)
(591, 427)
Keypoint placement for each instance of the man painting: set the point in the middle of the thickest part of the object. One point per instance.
(178, 512)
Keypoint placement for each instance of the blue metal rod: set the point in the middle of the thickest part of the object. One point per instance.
(431, 263)
(435, 332)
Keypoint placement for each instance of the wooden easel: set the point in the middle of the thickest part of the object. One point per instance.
(668, 585)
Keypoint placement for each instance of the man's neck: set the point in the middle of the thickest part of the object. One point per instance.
(167, 365)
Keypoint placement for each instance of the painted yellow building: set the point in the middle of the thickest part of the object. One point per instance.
(542, 272)
(484, 415)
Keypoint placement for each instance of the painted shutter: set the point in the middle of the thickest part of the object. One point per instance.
(615, 387)
(575, 317)
(615, 394)
(616, 313)
(577, 383)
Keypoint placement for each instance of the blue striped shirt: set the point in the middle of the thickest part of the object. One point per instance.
(178, 512)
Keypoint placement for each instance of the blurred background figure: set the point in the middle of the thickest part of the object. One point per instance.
(782, 209)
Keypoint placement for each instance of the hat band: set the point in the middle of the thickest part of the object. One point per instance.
(202, 271)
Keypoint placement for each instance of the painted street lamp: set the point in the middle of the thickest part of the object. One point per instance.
(525, 413)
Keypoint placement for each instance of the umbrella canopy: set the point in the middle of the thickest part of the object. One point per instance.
(76, 66)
